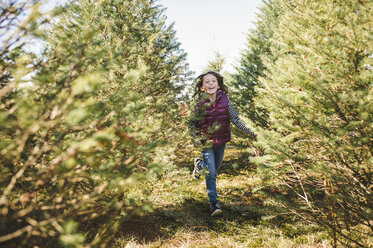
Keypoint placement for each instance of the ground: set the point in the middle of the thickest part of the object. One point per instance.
(181, 217)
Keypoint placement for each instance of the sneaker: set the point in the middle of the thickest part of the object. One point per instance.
(215, 211)
(197, 168)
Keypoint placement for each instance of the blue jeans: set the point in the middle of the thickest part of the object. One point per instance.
(212, 159)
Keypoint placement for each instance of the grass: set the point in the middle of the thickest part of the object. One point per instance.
(181, 216)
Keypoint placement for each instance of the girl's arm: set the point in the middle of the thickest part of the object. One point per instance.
(235, 119)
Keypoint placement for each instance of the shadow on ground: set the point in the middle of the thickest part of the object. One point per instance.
(193, 215)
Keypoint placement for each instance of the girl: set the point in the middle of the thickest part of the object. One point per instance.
(210, 126)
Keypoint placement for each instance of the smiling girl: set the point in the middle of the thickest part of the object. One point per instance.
(211, 127)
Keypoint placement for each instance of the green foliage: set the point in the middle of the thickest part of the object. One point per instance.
(260, 48)
(100, 104)
(318, 96)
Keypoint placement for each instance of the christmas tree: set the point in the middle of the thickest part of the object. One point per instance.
(80, 141)
(318, 95)
(259, 48)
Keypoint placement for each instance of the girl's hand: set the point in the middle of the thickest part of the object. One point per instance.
(252, 135)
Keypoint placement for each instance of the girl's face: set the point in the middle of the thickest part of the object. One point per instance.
(210, 84)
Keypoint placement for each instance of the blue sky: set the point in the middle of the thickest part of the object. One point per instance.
(204, 26)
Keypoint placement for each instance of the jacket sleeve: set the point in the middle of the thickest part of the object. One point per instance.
(235, 119)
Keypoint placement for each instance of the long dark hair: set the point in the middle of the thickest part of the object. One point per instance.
(199, 82)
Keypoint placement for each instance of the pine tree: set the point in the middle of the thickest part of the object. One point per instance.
(259, 48)
(79, 146)
(318, 94)
(216, 63)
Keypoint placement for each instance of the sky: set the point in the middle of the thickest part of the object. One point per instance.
(205, 26)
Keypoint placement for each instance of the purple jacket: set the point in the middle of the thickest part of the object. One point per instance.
(214, 125)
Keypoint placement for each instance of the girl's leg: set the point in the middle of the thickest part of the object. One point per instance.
(208, 156)
(219, 154)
